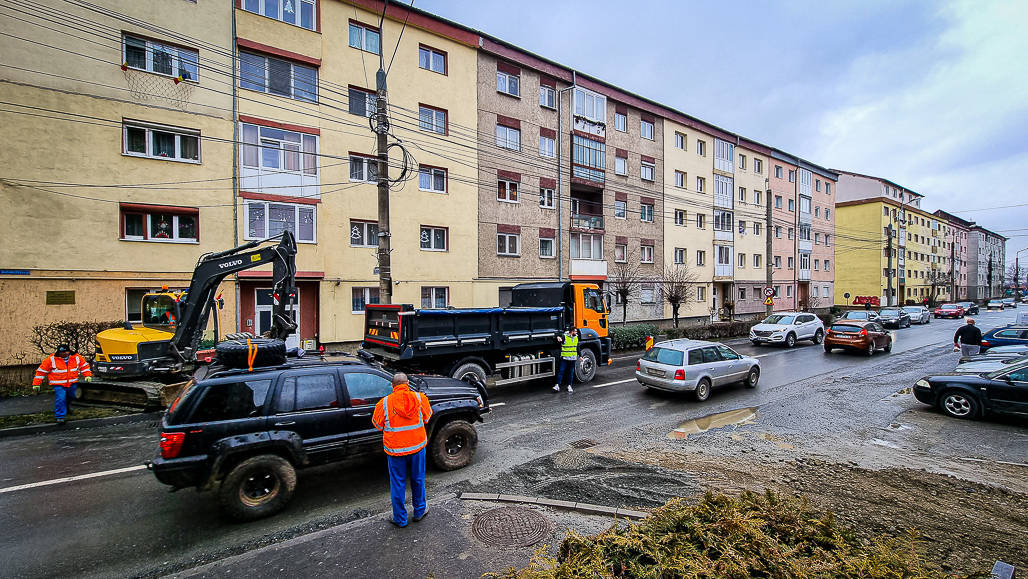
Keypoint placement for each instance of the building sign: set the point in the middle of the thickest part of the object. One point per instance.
(60, 298)
(860, 300)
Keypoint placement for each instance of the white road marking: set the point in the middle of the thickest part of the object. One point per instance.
(71, 478)
(613, 383)
(497, 404)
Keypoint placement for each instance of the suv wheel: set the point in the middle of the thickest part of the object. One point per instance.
(819, 336)
(453, 445)
(258, 487)
(585, 369)
(959, 404)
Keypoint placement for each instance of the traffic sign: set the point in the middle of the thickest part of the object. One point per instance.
(768, 301)
(769, 291)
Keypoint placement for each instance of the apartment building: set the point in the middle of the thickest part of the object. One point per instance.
(986, 263)
(957, 232)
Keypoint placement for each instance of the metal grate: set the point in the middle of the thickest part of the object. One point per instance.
(510, 527)
(584, 443)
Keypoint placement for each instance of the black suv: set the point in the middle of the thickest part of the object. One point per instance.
(245, 433)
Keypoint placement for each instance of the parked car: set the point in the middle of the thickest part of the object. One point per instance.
(970, 308)
(986, 364)
(1009, 303)
(695, 366)
(894, 318)
(949, 311)
(246, 433)
(865, 315)
(976, 395)
(788, 327)
(1004, 336)
(918, 314)
(859, 336)
(994, 305)
(999, 353)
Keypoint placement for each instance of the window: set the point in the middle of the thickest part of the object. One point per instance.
(270, 219)
(778, 171)
(546, 147)
(364, 37)
(679, 179)
(158, 58)
(756, 197)
(756, 260)
(232, 401)
(508, 83)
(792, 176)
(814, 289)
(742, 227)
(680, 217)
(758, 166)
(621, 165)
(508, 138)
(828, 191)
(362, 102)
(778, 231)
(777, 291)
(792, 205)
(679, 255)
(701, 257)
(646, 171)
(680, 141)
(828, 265)
(546, 198)
(431, 59)
(701, 148)
(547, 97)
(805, 232)
(507, 191)
(723, 220)
(284, 10)
(621, 209)
(817, 264)
(804, 204)
(701, 184)
(646, 293)
(756, 228)
(817, 239)
(277, 76)
(160, 225)
(742, 260)
(363, 169)
(432, 179)
(804, 261)
(828, 213)
(590, 105)
(586, 246)
(817, 211)
(701, 294)
(363, 233)
(778, 201)
(433, 238)
(742, 293)
(621, 122)
(435, 297)
(433, 120)
(646, 212)
(366, 389)
(620, 252)
(588, 158)
(742, 161)
(742, 194)
(817, 185)
(792, 233)
(157, 142)
(646, 129)
(546, 247)
(824, 291)
(778, 263)
(361, 297)
(700, 221)
(788, 291)
(508, 244)
(646, 253)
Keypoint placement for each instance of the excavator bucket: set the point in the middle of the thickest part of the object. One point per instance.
(146, 395)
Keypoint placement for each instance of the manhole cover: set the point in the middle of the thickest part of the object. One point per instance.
(510, 527)
(584, 443)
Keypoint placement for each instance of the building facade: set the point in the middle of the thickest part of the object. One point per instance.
(986, 263)
(957, 231)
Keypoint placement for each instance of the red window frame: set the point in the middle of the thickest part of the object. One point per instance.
(126, 209)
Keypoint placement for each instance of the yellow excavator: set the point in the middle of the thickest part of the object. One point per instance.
(147, 364)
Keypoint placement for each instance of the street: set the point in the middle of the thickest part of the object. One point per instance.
(839, 408)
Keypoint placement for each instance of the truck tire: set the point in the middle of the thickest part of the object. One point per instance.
(462, 372)
(234, 353)
(258, 487)
(585, 369)
(453, 445)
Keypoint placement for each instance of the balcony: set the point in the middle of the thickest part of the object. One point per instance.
(806, 218)
(804, 245)
(726, 235)
(723, 270)
(589, 267)
(804, 275)
(586, 221)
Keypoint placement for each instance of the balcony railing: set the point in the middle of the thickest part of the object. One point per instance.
(805, 245)
(590, 267)
(804, 275)
(587, 221)
(725, 235)
(723, 270)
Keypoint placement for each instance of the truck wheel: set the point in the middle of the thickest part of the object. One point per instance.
(466, 370)
(258, 487)
(585, 369)
(453, 445)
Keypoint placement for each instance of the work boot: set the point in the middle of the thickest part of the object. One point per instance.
(556, 387)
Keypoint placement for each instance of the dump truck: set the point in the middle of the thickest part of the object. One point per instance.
(512, 344)
(147, 364)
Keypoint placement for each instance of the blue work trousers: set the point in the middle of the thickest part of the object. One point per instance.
(401, 468)
(566, 372)
(61, 394)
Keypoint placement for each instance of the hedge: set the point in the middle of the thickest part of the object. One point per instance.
(631, 336)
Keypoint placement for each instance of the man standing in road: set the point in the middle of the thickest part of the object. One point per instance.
(968, 338)
(62, 371)
(568, 359)
(401, 416)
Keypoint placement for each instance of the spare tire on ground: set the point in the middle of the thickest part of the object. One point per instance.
(235, 353)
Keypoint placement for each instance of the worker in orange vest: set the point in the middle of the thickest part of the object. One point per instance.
(62, 371)
(401, 416)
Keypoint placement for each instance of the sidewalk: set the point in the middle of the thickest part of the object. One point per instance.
(42, 402)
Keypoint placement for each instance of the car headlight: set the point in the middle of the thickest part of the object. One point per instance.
(922, 383)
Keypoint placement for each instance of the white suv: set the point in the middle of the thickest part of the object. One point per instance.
(786, 328)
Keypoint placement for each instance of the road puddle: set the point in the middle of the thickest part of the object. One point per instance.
(738, 417)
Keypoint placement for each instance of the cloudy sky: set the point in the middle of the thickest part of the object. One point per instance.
(932, 95)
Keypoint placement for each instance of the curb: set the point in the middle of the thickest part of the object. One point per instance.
(587, 508)
(75, 424)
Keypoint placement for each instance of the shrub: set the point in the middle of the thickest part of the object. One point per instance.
(631, 336)
(80, 336)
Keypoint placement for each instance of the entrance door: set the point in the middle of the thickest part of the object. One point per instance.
(265, 304)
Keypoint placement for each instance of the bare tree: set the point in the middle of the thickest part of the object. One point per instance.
(937, 281)
(624, 280)
(1016, 275)
(677, 287)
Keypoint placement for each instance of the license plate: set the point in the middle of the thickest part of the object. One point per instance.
(655, 372)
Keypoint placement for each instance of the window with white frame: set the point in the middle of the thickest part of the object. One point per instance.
(433, 238)
(817, 211)
(547, 97)
(778, 231)
(646, 253)
(824, 291)
(140, 224)
(586, 246)
(723, 220)
(431, 59)
(508, 83)
(646, 212)
(680, 141)
(792, 233)
(792, 176)
(646, 171)
(700, 221)
(507, 191)
(828, 265)
(363, 233)
(756, 228)
(741, 259)
(362, 102)
(679, 255)
(778, 262)
(435, 297)
(590, 105)
(361, 297)
(270, 219)
(620, 252)
(588, 158)
(804, 204)
(828, 191)
(701, 184)
(285, 10)
(788, 291)
(701, 148)
(432, 119)
(621, 165)
(756, 260)
(646, 129)
(680, 217)
(778, 201)
(701, 257)
(791, 262)
(546, 247)
(546, 198)
(153, 56)
(778, 171)
(364, 37)
(546, 147)
(792, 205)
(620, 209)
(679, 179)
(363, 169)
(817, 238)
(508, 138)
(279, 151)
(828, 213)
(757, 196)
(701, 294)
(817, 264)
(828, 240)
(508, 244)
(277, 76)
(817, 185)
(621, 122)
(742, 194)
(160, 142)
(742, 162)
(432, 179)
(647, 293)
(758, 166)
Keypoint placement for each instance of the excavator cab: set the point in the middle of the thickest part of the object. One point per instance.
(161, 311)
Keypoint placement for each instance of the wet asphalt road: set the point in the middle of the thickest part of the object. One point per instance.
(128, 524)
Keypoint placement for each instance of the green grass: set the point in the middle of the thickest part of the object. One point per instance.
(48, 417)
(755, 535)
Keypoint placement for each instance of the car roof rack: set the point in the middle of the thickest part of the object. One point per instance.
(293, 363)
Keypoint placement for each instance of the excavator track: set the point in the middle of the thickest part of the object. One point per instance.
(143, 394)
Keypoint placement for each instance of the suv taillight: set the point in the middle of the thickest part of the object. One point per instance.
(171, 443)
(679, 374)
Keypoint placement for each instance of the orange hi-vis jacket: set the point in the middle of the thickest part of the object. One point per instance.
(401, 416)
(61, 373)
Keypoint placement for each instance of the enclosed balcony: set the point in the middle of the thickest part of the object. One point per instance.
(586, 221)
(804, 275)
(586, 211)
(591, 268)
